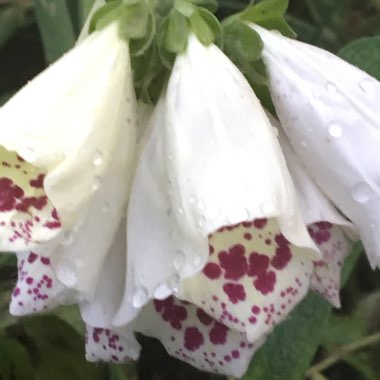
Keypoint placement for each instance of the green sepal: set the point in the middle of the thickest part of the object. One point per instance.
(201, 28)
(176, 30)
(184, 7)
(279, 24)
(213, 24)
(139, 46)
(242, 43)
(108, 11)
(134, 21)
(267, 9)
(211, 5)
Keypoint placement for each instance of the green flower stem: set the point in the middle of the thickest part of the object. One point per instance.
(340, 354)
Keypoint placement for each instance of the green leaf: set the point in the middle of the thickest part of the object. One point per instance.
(134, 21)
(105, 15)
(56, 29)
(201, 28)
(15, 362)
(214, 25)
(176, 32)
(211, 5)
(58, 350)
(364, 53)
(360, 362)
(290, 348)
(267, 9)
(11, 19)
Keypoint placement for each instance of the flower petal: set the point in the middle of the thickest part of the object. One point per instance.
(68, 119)
(191, 335)
(254, 277)
(100, 310)
(107, 345)
(79, 260)
(328, 109)
(204, 165)
(27, 217)
(37, 288)
(335, 247)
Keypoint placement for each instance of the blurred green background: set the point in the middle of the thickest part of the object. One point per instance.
(49, 347)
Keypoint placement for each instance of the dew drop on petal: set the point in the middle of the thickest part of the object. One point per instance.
(140, 297)
(179, 260)
(66, 274)
(173, 282)
(162, 291)
(105, 207)
(98, 158)
(197, 261)
(201, 221)
(97, 183)
(28, 154)
(267, 208)
(361, 192)
(68, 238)
(335, 130)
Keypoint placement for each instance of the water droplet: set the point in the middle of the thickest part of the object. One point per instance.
(66, 274)
(202, 221)
(361, 192)
(366, 84)
(180, 210)
(28, 154)
(179, 260)
(197, 261)
(304, 144)
(67, 238)
(97, 183)
(331, 87)
(170, 157)
(162, 291)
(106, 207)
(174, 282)
(335, 129)
(267, 208)
(140, 297)
(98, 158)
(201, 205)
(192, 200)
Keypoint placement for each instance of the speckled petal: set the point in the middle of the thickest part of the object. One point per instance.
(329, 110)
(192, 336)
(37, 288)
(118, 346)
(205, 165)
(335, 247)
(27, 217)
(254, 277)
(68, 119)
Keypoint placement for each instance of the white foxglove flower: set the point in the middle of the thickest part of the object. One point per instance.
(67, 144)
(205, 167)
(329, 111)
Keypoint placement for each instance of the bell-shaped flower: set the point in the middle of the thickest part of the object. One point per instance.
(202, 186)
(329, 111)
(67, 145)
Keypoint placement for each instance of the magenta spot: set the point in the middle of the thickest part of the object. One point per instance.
(234, 262)
(282, 257)
(193, 339)
(45, 260)
(258, 264)
(204, 317)
(37, 183)
(29, 280)
(212, 271)
(32, 257)
(235, 354)
(235, 292)
(255, 310)
(218, 334)
(265, 282)
(260, 223)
